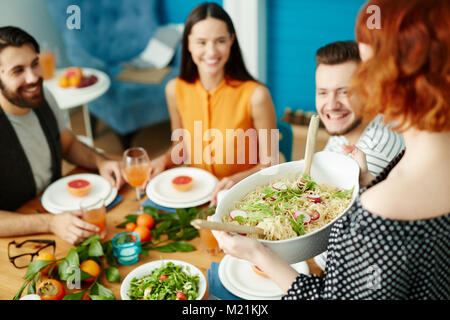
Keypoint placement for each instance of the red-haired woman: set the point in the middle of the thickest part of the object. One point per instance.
(394, 243)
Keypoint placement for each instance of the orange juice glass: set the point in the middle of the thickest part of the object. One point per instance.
(209, 242)
(47, 61)
(136, 170)
(136, 175)
(94, 212)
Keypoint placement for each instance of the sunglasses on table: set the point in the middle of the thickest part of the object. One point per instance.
(20, 258)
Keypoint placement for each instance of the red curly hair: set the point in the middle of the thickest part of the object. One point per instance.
(408, 77)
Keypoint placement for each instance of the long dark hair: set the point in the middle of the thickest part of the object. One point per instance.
(235, 66)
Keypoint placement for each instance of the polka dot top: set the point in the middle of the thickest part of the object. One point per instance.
(372, 257)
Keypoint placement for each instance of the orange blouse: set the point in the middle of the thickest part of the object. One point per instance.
(218, 127)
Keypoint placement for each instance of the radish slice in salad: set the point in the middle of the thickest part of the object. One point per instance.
(299, 213)
(238, 213)
(315, 215)
(306, 218)
(279, 186)
(315, 199)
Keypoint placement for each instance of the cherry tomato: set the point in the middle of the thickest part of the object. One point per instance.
(180, 295)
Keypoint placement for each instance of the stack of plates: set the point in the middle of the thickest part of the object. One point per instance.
(161, 192)
(56, 199)
(238, 277)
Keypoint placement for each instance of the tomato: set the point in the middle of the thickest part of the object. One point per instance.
(180, 295)
(51, 289)
(163, 277)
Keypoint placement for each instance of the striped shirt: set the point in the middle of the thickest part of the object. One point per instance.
(378, 142)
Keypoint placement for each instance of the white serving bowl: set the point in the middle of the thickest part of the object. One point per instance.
(147, 269)
(327, 167)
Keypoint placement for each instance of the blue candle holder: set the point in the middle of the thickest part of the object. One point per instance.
(126, 247)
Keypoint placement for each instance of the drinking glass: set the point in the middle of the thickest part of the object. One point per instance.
(47, 61)
(136, 170)
(94, 212)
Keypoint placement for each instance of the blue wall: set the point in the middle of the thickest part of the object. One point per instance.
(296, 29)
(176, 11)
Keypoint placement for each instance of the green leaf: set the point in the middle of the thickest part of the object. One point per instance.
(112, 274)
(100, 292)
(176, 246)
(158, 231)
(74, 296)
(95, 249)
(128, 218)
(343, 194)
(19, 293)
(32, 286)
(109, 254)
(72, 257)
(69, 265)
(90, 240)
(36, 266)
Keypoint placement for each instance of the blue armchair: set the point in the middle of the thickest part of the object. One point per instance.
(112, 33)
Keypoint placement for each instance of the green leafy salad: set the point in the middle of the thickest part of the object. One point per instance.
(287, 209)
(168, 282)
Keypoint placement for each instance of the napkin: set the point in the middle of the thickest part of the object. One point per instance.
(216, 287)
(150, 203)
(115, 202)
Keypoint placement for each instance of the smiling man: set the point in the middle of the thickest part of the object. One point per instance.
(33, 141)
(335, 64)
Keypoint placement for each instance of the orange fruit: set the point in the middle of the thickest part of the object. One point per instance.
(63, 82)
(91, 267)
(74, 81)
(143, 232)
(46, 257)
(145, 220)
(130, 226)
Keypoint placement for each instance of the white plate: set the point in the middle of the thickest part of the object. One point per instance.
(321, 260)
(102, 80)
(229, 286)
(241, 277)
(176, 205)
(57, 196)
(147, 268)
(54, 210)
(203, 186)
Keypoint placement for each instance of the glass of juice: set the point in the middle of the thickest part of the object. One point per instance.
(136, 170)
(47, 61)
(94, 212)
(209, 242)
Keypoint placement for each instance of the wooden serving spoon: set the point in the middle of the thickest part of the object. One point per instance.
(228, 227)
(311, 143)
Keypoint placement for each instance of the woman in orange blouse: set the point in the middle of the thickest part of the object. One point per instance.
(224, 117)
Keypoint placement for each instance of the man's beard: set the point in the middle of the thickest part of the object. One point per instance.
(350, 128)
(18, 99)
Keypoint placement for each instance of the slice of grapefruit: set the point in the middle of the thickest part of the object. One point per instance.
(182, 183)
(79, 187)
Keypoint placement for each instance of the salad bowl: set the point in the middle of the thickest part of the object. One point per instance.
(147, 268)
(327, 167)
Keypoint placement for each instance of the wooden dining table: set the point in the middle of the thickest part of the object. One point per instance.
(11, 278)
